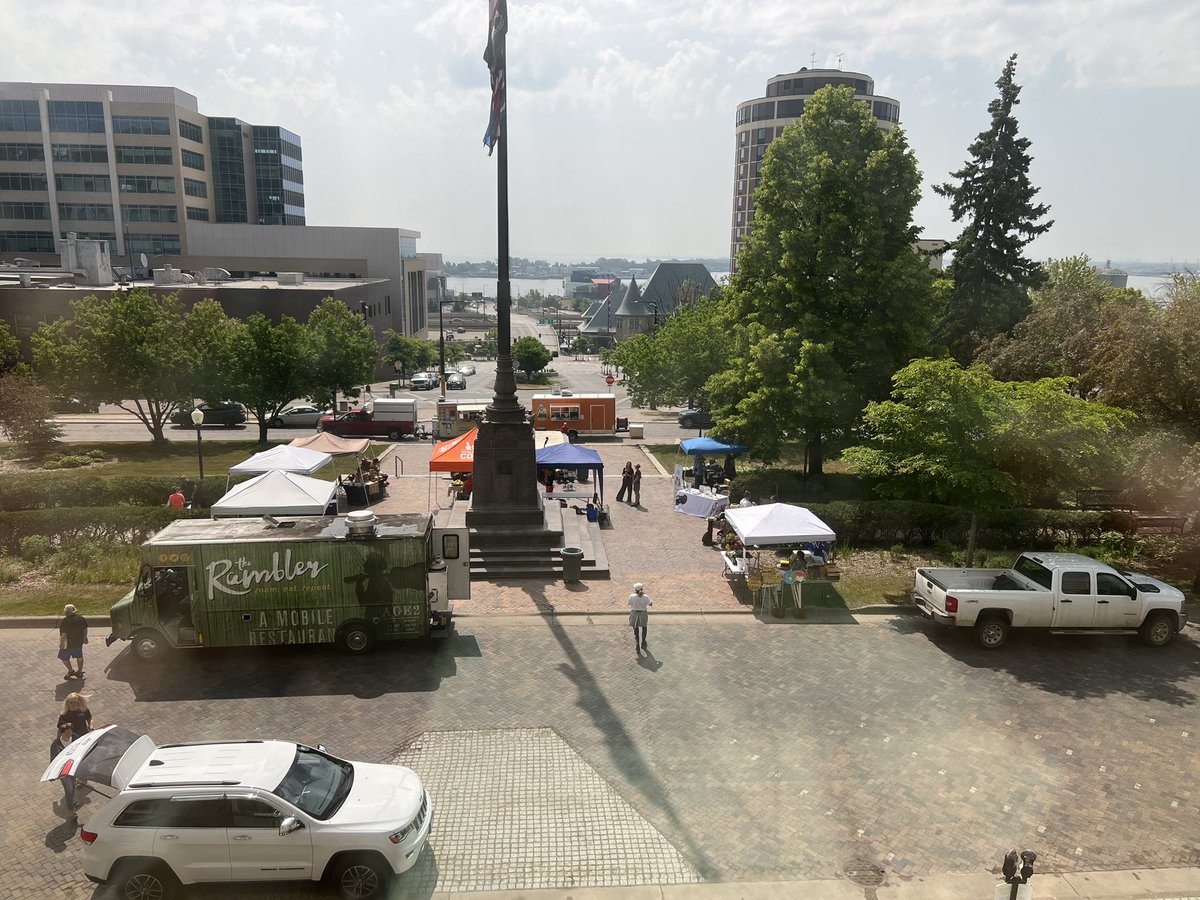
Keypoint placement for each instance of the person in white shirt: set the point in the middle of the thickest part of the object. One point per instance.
(746, 501)
(639, 603)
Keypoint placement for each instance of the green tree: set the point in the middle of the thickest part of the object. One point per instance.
(580, 346)
(25, 417)
(126, 348)
(530, 355)
(1063, 333)
(959, 436)
(829, 297)
(273, 365)
(993, 194)
(10, 348)
(209, 353)
(674, 363)
(1147, 358)
(344, 350)
(413, 353)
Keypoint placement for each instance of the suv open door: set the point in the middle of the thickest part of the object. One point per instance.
(108, 755)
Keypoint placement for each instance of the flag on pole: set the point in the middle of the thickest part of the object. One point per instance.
(494, 57)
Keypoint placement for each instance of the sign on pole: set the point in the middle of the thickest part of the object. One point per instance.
(609, 380)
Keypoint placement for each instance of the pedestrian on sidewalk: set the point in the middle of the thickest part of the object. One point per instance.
(72, 635)
(637, 485)
(76, 714)
(639, 617)
(626, 482)
(57, 746)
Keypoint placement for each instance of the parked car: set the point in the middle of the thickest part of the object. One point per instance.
(299, 416)
(424, 381)
(456, 382)
(462, 329)
(73, 405)
(466, 368)
(695, 418)
(226, 412)
(279, 811)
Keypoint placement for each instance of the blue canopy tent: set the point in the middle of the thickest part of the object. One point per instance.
(710, 447)
(572, 456)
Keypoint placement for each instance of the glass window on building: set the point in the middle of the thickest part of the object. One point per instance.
(24, 210)
(191, 132)
(27, 242)
(20, 115)
(145, 212)
(144, 156)
(22, 153)
(191, 159)
(147, 184)
(764, 111)
(197, 214)
(90, 184)
(762, 135)
(86, 212)
(23, 181)
(79, 153)
(154, 244)
(790, 109)
(141, 125)
(194, 188)
(744, 138)
(76, 116)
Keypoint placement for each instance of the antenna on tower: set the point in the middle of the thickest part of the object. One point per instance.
(839, 59)
(812, 61)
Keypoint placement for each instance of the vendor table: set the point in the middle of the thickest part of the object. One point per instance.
(699, 504)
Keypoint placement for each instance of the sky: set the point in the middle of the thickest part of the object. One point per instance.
(621, 113)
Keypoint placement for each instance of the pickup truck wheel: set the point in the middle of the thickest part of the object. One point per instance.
(356, 637)
(1157, 630)
(148, 646)
(360, 878)
(991, 632)
(145, 881)
(394, 434)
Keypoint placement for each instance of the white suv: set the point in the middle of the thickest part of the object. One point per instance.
(243, 811)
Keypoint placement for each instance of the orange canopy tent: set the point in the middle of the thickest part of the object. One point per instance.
(455, 455)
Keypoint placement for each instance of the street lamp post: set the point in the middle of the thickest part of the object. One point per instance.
(442, 343)
(198, 420)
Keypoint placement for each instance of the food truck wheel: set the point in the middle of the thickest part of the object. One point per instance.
(356, 637)
(148, 646)
(395, 434)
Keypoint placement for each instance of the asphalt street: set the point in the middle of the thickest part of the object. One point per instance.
(740, 751)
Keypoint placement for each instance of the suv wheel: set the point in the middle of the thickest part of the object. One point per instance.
(360, 878)
(687, 422)
(146, 881)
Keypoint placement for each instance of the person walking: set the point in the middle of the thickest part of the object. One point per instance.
(698, 470)
(639, 604)
(187, 487)
(636, 482)
(72, 635)
(626, 482)
(57, 746)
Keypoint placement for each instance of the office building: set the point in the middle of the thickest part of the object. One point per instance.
(761, 120)
(133, 165)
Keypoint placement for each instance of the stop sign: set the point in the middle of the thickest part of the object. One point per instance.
(609, 380)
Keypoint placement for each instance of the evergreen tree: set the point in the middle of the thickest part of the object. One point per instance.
(992, 193)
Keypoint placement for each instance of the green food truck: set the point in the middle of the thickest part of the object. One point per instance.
(348, 580)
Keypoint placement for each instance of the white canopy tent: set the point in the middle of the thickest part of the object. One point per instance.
(776, 523)
(277, 494)
(283, 458)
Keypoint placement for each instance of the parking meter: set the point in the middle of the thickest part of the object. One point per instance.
(1017, 869)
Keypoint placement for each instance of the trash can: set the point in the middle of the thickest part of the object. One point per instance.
(572, 560)
(637, 431)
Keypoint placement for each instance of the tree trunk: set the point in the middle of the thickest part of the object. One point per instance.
(971, 538)
(262, 431)
(813, 453)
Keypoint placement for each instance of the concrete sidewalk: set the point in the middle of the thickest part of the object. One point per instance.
(1143, 884)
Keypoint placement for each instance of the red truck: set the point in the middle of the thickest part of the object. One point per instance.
(392, 418)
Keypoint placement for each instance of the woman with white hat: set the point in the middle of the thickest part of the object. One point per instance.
(639, 604)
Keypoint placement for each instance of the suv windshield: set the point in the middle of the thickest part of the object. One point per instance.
(316, 783)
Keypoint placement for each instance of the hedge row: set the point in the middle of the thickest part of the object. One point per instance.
(62, 525)
(890, 521)
(37, 490)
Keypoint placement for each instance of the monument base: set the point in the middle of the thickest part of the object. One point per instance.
(505, 495)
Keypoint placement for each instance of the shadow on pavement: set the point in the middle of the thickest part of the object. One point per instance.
(1077, 666)
(622, 749)
(296, 671)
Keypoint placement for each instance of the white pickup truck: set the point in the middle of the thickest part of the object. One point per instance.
(1067, 593)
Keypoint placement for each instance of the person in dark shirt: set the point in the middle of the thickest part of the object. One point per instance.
(72, 635)
(65, 736)
(76, 714)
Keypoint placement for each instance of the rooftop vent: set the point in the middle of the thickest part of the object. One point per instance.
(361, 523)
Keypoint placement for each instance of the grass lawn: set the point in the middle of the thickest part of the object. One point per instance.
(47, 598)
(792, 457)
